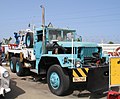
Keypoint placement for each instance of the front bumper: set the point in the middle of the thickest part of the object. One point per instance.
(80, 74)
(97, 78)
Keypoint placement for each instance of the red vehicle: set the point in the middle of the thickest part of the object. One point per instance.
(113, 95)
(0, 54)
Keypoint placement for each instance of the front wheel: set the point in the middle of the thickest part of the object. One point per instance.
(58, 80)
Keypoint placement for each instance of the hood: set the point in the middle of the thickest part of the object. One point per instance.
(78, 44)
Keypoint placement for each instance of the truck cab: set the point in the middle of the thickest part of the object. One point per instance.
(63, 45)
(66, 60)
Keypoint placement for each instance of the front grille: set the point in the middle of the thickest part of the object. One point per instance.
(88, 51)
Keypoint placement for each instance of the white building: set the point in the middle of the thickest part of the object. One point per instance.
(112, 49)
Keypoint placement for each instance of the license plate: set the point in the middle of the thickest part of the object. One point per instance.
(79, 79)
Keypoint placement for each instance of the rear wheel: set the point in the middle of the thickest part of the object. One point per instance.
(19, 68)
(58, 80)
(13, 64)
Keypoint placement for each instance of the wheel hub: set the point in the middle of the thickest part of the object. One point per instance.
(28, 40)
(17, 67)
(54, 80)
(11, 65)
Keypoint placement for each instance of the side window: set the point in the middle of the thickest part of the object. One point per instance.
(52, 35)
(55, 35)
(39, 35)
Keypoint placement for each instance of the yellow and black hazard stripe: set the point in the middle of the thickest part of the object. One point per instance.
(80, 74)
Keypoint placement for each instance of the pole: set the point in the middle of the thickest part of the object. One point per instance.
(43, 21)
(43, 27)
(72, 54)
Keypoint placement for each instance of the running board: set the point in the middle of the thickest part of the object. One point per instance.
(33, 70)
(42, 71)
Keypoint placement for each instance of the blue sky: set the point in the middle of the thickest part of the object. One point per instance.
(94, 20)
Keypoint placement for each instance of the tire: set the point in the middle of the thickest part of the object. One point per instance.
(27, 72)
(13, 64)
(58, 81)
(29, 40)
(20, 71)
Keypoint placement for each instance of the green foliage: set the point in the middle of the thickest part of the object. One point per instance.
(6, 41)
(111, 42)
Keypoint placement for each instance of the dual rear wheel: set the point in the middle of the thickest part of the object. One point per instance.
(57, 78)
(18, 67)
(13, 64)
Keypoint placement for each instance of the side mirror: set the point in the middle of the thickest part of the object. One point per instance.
(79, 39)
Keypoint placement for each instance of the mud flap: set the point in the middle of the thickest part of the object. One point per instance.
(98, 79)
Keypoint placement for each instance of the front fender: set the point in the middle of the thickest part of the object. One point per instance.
(60, 59)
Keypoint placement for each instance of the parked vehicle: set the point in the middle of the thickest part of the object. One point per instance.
(55, 54)
(4, 81)
(0, 53)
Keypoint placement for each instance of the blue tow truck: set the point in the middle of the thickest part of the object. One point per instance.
(55, 54)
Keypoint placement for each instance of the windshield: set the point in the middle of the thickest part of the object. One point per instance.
(61, 35)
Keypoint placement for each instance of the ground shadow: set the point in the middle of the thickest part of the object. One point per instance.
(38, 78)
(15, 91)
(115, 88)
(97, 96)
(88, 95)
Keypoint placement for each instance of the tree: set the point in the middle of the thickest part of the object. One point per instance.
(6, 41)
(111, 42)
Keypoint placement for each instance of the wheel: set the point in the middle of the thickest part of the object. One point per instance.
(19, 68)
(29, 40)
(58, 80)
(13, 64)
(27, 72)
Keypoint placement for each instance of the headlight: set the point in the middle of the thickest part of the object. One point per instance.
(65, 59)
(6, 74)
(77, 63)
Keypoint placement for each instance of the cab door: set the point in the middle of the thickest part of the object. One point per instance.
(38, 47)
